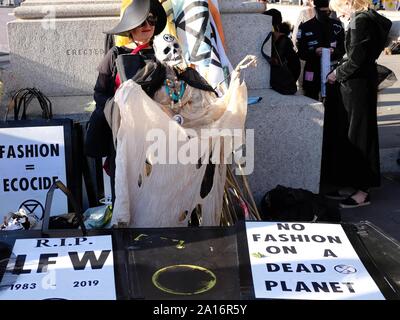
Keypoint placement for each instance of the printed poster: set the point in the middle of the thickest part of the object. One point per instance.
(306, 261)
(60, 269)
(31, 160)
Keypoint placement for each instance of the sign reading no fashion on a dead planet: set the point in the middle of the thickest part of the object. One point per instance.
(306, 261)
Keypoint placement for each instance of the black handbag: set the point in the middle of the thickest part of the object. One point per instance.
(281, 79)
(72, 220)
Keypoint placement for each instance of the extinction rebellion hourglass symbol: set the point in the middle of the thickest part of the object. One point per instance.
(33, 207)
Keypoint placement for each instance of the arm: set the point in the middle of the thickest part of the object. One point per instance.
(339, 51)
(357, 53)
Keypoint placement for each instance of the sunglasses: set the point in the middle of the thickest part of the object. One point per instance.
(151, 20)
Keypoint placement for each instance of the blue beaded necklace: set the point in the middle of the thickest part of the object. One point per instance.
(175, 96)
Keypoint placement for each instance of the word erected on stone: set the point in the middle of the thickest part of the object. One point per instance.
(85, 52)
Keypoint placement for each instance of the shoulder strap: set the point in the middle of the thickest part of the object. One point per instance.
(267, 57)
(277, 53)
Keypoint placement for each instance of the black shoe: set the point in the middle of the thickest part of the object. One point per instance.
(351, 203)
(336, 195)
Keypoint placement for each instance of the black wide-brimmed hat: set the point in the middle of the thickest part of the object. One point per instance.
(136, 13)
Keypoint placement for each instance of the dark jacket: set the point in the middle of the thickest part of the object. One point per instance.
(311, 35)
(365, 40)
(98, 142)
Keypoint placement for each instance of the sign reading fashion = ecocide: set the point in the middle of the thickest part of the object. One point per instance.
(60, 268)
(306, 261)
(31, 160)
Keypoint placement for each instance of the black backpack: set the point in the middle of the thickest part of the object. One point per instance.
(288, 204)
(281, 78)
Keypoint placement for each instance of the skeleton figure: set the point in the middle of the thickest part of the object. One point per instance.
(168, 50)
(188, 106)
(155, 192)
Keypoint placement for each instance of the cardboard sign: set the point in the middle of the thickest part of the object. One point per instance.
(60, 268)
(306, 261)
(31, 160)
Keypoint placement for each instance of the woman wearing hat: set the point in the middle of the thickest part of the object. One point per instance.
(141, 21)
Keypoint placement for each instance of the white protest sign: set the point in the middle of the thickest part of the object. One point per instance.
(306, 261)
(31, 160)
(60, 268)
(325, 69)
(107, 186)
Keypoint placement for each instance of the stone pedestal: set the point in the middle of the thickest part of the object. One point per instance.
(245, 29)
(57, 45)
(288, 142)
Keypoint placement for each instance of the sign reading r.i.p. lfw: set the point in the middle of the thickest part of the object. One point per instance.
(31, 160)
(60, 268)
(306, 261)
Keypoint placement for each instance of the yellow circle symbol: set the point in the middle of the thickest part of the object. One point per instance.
(184, 279)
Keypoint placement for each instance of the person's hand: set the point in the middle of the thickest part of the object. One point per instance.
(318, 51)
(331, 77)
(332, 49)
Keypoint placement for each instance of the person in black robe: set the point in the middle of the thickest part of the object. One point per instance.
(354, 84)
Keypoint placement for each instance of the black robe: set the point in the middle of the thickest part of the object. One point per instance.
(351, 147)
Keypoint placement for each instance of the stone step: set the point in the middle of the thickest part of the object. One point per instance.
(389, 134)
(389, 158)
(77, 108)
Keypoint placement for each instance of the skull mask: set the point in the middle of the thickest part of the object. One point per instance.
(168, 50)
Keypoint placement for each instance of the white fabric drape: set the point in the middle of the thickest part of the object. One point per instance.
(164, 195)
